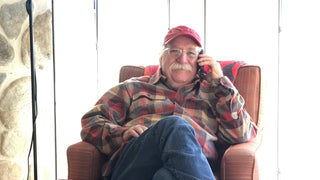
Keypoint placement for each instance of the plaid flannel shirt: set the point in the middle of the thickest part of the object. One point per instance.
(214, 109)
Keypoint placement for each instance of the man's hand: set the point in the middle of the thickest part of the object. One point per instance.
(216, 71)
(134, 131)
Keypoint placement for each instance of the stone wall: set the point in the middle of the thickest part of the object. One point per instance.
(15, 83)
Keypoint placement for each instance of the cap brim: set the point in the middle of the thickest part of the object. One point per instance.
(183, 34)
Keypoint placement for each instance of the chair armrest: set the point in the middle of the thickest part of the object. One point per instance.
(84, 161)
(239, 161)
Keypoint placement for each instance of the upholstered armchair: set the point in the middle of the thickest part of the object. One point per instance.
(238, 162)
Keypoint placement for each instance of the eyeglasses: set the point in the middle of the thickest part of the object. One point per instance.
(177, 52)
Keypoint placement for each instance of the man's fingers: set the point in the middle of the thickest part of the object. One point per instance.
(140, 129)
(134, 131)
(143, 127)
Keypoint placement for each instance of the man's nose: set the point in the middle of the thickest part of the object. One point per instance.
(183, 59)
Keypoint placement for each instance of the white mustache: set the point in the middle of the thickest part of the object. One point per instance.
(176, 66)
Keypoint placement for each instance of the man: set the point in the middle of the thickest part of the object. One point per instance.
(164, 126)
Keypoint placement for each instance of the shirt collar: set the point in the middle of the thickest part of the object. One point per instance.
(155, 78)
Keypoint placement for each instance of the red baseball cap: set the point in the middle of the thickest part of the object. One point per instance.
(182, 31)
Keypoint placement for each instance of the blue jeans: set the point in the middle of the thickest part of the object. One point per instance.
(167, 150)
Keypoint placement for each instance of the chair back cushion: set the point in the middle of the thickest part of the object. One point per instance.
(248, 83)
(127, 72)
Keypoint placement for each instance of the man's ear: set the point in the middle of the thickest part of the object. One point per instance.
(161, 60)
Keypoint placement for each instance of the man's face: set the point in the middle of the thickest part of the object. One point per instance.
(180, 70)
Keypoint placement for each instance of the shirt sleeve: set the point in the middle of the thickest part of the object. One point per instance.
(102, 126)
(235, 124)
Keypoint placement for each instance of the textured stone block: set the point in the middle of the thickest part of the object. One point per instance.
(12, 17)
(15, 104)
(6, 51)
(42, 41)
(14, 144)
(10, 170)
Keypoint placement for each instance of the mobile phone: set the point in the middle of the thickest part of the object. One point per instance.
(201, 72)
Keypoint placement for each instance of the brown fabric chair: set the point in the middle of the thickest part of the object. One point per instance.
(238, 162)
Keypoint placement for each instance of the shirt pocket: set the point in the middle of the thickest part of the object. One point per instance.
(146, 103)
